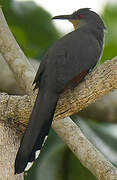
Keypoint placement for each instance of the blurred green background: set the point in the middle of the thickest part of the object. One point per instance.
(35, 33)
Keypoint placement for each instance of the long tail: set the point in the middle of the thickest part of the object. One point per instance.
(37, 130)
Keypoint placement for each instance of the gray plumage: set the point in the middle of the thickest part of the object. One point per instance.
(66, 62)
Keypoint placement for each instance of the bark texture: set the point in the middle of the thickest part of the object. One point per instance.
(84, 150)
(98, 83)
(9, 144)
(15, 110)
(104, 109)
(14, 57)
(24, 74)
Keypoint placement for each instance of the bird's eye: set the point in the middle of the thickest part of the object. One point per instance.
(81, 16)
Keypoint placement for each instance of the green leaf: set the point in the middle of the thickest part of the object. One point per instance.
(31, 25)
(110, 18)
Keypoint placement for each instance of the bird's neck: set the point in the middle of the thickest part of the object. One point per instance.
(94, 29)
(98, 33)
(81, 24)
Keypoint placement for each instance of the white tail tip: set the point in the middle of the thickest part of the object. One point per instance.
(29, 165)
(37, 154)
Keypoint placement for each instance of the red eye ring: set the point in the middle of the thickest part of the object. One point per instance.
(81, 16)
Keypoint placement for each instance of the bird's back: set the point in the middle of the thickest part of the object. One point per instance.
(70, 55)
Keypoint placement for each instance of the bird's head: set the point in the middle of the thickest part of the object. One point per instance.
(83, 16)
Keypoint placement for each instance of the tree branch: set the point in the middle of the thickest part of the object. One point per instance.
(9, 144)
(84, 150)
(104, 109)
(103, 80)
(66, 129)
(15, 58)
(98, 83)
(24, 74)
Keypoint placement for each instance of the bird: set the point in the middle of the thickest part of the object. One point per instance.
(63, 66)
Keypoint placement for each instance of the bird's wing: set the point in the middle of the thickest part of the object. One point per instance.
(76, 80)
(72, 68)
